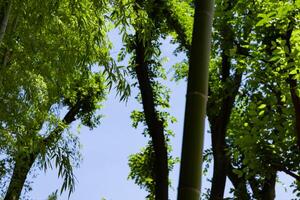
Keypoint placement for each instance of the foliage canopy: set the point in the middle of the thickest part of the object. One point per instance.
(56, 68)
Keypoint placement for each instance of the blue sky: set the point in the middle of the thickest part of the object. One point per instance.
(105, 150)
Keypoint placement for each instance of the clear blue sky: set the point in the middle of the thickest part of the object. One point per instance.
(104, 170)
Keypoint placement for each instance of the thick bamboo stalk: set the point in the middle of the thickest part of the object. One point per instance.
(196, 98)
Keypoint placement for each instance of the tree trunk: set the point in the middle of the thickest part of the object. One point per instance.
(296, 104)
(293, 83)
(219, 124)
(24, 162)
(194, 122)
(155, 125)
(219, 178)
(219, 170)
(219, 119)
(239, 183)
(4, 17)
(21, 170)
(268, 190)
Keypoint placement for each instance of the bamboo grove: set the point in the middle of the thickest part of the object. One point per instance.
(56, 70)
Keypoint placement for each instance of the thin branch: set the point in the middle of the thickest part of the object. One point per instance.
(292, 174)
(282, 168)
(68, 119)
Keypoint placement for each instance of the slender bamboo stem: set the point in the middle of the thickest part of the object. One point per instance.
(196, 98)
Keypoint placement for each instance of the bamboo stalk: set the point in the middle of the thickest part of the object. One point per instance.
(196, 98)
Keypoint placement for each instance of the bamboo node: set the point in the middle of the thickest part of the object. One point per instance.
(205, 97)
(197, 191)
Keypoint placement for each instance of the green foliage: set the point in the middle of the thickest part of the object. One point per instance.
(49, 52)
(134, 18)
(180, 70)
(53, 196)
(141, 169)
(141, 166)
(262, 124)
(55, 63)
(261, 135)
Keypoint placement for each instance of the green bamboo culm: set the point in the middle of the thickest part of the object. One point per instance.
(195, 111)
